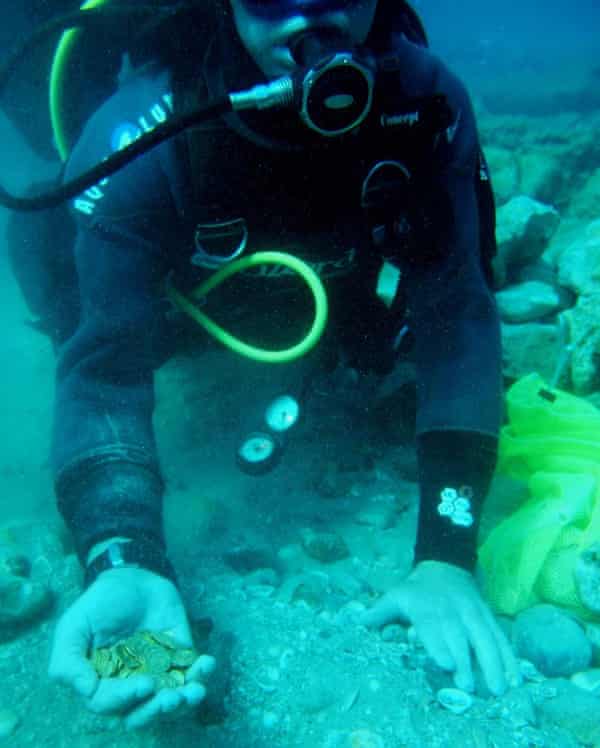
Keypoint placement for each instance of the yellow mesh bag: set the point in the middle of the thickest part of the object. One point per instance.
(552, 441)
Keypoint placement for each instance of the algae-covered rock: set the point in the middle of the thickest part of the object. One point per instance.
(524, 228)
(21, 600)
(579, 262)
(586, 202)
(324, 546)
(552, 640)
(584, 334)
(531, 346)
(528, 301)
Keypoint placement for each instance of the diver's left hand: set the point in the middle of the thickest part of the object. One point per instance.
(450, 618)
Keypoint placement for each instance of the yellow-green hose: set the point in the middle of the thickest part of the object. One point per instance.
(57, 87)
(307, 274)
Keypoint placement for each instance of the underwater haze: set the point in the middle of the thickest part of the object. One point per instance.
(275, 570)
(537, 56)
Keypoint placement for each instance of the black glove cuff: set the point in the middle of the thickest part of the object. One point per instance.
(149, 556)
(455, 471)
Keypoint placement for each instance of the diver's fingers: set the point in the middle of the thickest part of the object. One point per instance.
(115, 695)
(509, 660)
(435, 646)
(385, 610)
(167, 701)
(200, 669)
(455, 635)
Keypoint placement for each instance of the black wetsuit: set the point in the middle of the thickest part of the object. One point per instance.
(295, 192)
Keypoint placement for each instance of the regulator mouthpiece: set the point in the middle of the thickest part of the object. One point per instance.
(335, 85)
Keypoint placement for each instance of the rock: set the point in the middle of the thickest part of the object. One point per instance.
(551, 640)
(579, 262)
(326, 547)
(583, 322)
(454, 700)
(542, 175)
(592, 631)
(586, 201)
(245, 559)
(21, 601)
(572, 709)
(262, 577)
(524, 228)
(330, 481)
(541, 270)
(531, 346)
(379, 518)
(504, 171)
(588, 680)
(394, 633)
(528, 301)
(587, 577)
(291, 559)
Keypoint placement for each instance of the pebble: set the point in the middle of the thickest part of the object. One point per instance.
(8, 722)
(454, 700)
(552, 641)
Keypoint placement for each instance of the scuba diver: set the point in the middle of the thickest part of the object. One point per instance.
(369, 169)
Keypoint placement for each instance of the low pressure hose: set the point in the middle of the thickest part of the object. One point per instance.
(285, 355)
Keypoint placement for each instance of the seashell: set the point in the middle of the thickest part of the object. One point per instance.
(454, 700)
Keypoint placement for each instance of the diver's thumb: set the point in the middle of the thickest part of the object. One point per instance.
(85, 681)
(68, 660)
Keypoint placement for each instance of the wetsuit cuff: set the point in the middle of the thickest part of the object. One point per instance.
(455, 472)
(104, 496)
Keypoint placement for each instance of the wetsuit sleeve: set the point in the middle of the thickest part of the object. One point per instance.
(457, 347)
(107, 476)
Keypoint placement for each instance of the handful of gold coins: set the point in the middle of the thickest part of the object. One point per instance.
(145, 653)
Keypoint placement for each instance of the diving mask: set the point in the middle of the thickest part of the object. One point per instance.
(277, 9)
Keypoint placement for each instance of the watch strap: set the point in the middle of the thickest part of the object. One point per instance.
(130, 553)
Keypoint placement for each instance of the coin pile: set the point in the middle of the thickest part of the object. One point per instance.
(145, 653)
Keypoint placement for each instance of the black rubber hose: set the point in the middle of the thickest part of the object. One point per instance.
(117, 161)
(87, 19)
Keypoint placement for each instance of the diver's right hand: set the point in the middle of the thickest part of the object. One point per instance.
(117, 604)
